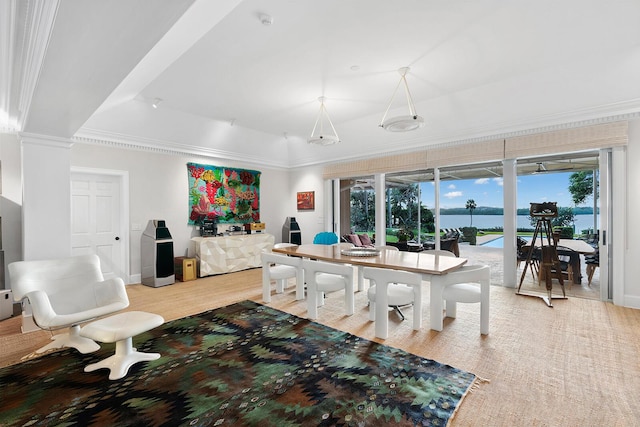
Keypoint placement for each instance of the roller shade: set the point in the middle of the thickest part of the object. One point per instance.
(568, 140)
(560, 141)
(464, 154)
(396, 163)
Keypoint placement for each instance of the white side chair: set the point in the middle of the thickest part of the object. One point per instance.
(281, 268)
(391, 248)
(468, 284)
(440, 252)
(324, 277)
(347, 245)
(393, 288)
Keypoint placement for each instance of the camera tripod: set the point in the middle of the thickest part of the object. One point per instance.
(549, 262)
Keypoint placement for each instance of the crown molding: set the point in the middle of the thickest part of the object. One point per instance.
(39, 27)
(128, 142)
(26, 30)
(7, 30)
(45, 140)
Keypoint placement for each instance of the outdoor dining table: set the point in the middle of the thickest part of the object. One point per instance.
(424, 263)
(579, 246)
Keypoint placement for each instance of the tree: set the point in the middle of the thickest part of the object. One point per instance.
(471, 205)
(565, 218)
(362, 210)
(580, 186)
(402, 206)
(427, 222)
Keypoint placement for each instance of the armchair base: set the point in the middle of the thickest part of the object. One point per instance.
(71, 339)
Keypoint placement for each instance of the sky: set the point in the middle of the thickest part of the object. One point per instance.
(550, 187)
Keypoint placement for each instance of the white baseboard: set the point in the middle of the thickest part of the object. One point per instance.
(632, 301)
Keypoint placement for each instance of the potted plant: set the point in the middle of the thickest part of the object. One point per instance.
(403, 237)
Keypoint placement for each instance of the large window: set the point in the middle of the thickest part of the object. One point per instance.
(410, 201)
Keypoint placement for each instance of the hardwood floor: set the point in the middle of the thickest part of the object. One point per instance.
(575, 364)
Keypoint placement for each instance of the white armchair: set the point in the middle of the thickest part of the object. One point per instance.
(65, 293)
(324, 277)
(393, 288)
(468, 284)
(281, 268)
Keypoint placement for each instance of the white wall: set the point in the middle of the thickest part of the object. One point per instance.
(10, 200)
(46, 174)
(158, 189)
(311, 222)
(631, 288)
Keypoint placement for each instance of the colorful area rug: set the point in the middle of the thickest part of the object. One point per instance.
(244, 364)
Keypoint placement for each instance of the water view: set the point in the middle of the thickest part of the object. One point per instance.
(582, 222)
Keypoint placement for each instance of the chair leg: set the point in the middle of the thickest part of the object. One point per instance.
(485, 301)
(312, 304)
(570, 275)
(266, 286)
(397, 310)
(450, 308)
(71, 339)
(591, 269)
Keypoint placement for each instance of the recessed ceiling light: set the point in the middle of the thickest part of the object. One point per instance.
(266, 19)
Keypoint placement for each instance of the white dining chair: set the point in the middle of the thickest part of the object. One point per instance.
(392, 288)
(441, 252)
(281, 268)
(467, 284)
(389, 247)
(344, 245)
(324, 277)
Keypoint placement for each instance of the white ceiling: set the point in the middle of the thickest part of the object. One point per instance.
(232, 86)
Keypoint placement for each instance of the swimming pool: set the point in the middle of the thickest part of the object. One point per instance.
(495, 243)
(498, 242)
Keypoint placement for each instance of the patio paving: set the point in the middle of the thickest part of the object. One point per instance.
(493, 257)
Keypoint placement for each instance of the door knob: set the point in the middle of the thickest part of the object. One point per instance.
(117, 238)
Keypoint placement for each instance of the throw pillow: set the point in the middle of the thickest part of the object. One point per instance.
(366, 241)
(355, 239)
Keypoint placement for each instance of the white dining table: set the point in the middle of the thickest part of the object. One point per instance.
(430, 266)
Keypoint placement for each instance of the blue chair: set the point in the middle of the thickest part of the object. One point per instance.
(325, 238)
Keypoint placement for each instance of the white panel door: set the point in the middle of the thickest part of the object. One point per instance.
(95, 220)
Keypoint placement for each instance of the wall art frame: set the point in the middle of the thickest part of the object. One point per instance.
(306, 200)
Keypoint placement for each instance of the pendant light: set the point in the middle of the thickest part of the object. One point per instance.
(402, 123)
(322, 138)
